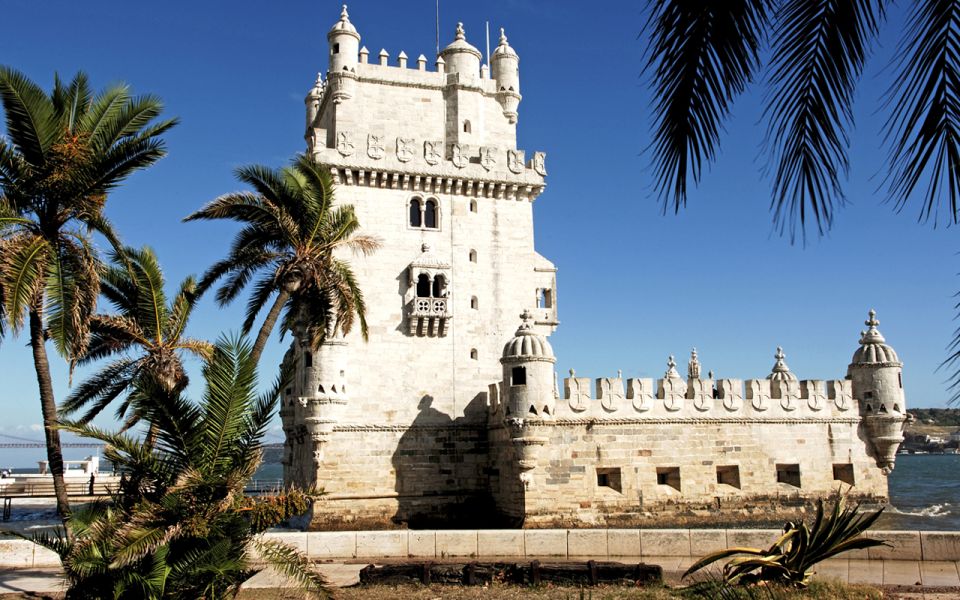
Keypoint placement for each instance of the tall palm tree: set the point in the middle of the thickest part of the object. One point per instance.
(702, 55)
(185, 529)
(146, 336)
(63, 153)
(291, 233)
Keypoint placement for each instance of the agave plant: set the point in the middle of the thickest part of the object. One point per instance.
(181, 526)
(790, 559)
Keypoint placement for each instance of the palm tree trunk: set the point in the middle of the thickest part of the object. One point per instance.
(268, 324)
(48, 406)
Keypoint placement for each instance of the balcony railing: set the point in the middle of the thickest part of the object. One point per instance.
(430, 308)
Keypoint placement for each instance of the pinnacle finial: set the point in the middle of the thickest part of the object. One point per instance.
(503, 37)
(460, 33)
(670, 362)
(779, 355)
(527, 316)
(872, 322)
(343, 14)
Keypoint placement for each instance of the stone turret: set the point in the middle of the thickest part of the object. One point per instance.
(530, 397)
(876, 373)
(506, 71)
(344, 44)
(460, 57)
(312, 102)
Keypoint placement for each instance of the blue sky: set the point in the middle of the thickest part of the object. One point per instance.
(634, 285)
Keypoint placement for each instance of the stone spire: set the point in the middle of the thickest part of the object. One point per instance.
(781, 372)
(693, 367)
(671, 369)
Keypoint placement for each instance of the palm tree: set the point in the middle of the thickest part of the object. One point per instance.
(147, 334)
(291, 233)
(704, 54)
(64, 152)
(186, 529)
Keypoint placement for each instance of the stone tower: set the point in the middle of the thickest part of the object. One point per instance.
(428, 157)
(877, 377)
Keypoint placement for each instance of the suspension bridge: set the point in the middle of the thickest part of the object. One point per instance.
(12, 441)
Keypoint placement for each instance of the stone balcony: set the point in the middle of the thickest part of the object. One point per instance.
(429, 316)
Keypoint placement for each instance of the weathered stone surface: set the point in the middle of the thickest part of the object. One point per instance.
(706, 541)
(545, 543)
(500, 542)
(623, 542)
(332, 544)
(904, 545)
(16, 553)
(589, 543)
(456, 543)
(940, 545)
(665, 542)
(422, 544)
(382, 544)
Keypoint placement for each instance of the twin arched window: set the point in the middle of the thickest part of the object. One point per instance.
(431, 289)
(424, 215)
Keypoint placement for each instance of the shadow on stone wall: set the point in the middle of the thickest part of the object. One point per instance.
(441, 467)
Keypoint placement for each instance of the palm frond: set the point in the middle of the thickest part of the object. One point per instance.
(22, 265)
(702, 56)
(924, 124)
(101, 388)
(290, 562)
(819, 52)
(30, 118)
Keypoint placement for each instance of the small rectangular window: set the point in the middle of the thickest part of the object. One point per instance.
(518, 376)
(669, 476)
(336, 48)
(843, 472)
(610, 478)
(789, 474)
(729, 475)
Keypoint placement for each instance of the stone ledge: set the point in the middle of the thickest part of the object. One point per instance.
(931, 546)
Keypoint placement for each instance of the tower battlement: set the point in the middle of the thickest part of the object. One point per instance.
(457, 119)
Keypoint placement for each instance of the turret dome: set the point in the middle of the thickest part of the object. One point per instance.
(873, 347)
(503, 48)
(460, 45)
(780, 371)
(527, 344)
(344, 25)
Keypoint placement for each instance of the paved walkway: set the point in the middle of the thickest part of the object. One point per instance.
(930, 574)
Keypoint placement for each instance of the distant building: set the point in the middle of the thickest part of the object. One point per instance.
(452, 412)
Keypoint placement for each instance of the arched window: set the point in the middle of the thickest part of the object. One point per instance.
(473, 206)
(423, 286)
(430, 215)
(416, 218)
(473, 256)
(438, 284)
(473, 353)
(466, 127)
(474, 303)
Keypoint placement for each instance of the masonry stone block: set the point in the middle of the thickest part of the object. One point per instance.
(590, 543)
(500, 542)
(456, 543)
(752, 538)
(940, 545)
(623, 542)
(422, 544)
(332, 544)
(16, 553)
(295, 539)
(545, 542)
(382, 544)
(665, 542)
(904, 545)
(707, 541)
(45, 558)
